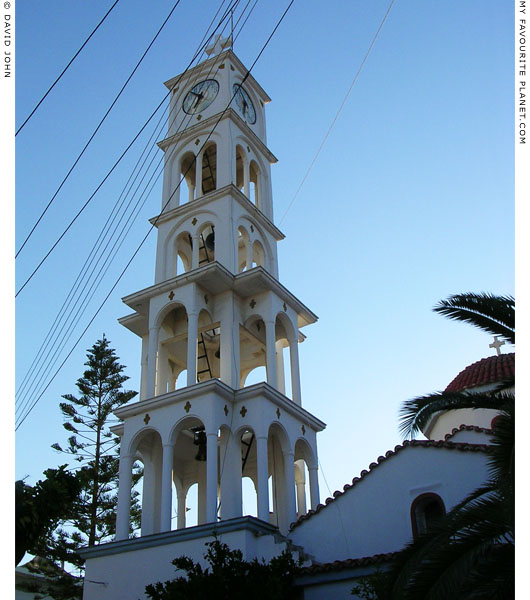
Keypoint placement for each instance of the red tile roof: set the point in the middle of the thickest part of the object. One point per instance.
(349, 563)
(486, 371)
(465, 427)
(461, 446)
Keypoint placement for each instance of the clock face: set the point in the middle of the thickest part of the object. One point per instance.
(200, 96)
(244, 103)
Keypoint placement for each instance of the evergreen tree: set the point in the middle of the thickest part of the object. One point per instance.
(93, 445)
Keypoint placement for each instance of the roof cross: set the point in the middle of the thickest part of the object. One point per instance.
(496, 344)
(218, 45)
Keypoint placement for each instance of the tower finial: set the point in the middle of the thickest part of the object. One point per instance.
(218, 45)
(496, 344)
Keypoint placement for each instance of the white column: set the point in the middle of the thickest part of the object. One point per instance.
(295, 372)
(193, 323)
(167, 487)
(231, 495)
(248, 245)
(263, 478)
(270, 340)
(124, 498)
(143, 383)
(181, 510)
(191, 191)
(280, 384)
(313, 487)
(229, 340)
(290, 499)
(246, 178)
(198, 176)
(195, 251)
(211, 477)
(152, 351)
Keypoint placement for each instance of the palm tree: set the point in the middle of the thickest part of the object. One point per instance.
(469, 553)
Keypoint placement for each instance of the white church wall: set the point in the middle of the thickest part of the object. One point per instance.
(453, 419)
(373, 517)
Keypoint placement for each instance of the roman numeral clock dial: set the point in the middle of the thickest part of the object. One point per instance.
(200, 96)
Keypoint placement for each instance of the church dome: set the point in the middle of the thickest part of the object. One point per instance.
(484, 372)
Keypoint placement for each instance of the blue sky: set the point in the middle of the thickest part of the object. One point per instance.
(410, 200)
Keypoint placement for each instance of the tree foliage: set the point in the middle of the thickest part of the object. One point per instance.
(229, 577)
(91, 443)
(469, 553)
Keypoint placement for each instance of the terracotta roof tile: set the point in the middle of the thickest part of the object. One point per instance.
(465, 427)
(461, 446)
(486, 371)
(339, 565)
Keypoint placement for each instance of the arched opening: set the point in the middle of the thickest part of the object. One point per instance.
(425, 511)
(241, 161)
(258, 254)
(281, 467)
(208, 347)
(192, 506)
(172, 350)
(254, 188)
(244, 250)
(306, 486)
(187, 178)
(183, 252)
(250, 497)
(252, 351)
(147, 450)
(136, 497)
(206, 244)
(209, 168)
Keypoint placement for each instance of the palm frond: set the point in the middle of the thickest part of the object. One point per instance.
(415, 414)
(491, 313)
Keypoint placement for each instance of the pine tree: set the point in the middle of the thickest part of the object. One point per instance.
(94, 446)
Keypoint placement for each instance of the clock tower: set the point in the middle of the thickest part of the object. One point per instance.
(215, 318)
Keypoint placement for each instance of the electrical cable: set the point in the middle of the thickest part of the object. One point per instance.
(97, 128)
(111, 218)
(107, 259)
(97, 189)
(152, 226)
(65, 69)
(339, 111)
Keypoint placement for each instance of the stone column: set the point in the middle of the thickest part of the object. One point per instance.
(313, 487)
(280, 384)
(152, 351)
(124, 497)
(246, 178)
(195, 251)
(270, 337)
(295, 372)
(248, 245)
(143, 384)
(193, 323)
(167, 487)
(181, 510)
(211, 477)
(231, 495)
(290, 498)
(229, 341)
(198, 176)
(263, 478)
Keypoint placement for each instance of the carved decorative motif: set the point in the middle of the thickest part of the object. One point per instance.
(147, 418)
(197, 141)
(243, 411)
(206, 298)
(252, 303)
(284, 307)
(199, 117)
(194, 222)
(303, 430)
(226, 410)
(187, 406)
(252, 228)
(278, 413)
(171, 295)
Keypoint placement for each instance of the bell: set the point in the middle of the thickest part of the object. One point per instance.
(200, 440)
(210, 241)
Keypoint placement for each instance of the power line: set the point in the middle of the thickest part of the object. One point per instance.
(108, 223)
(65, 69)
(98, 127)
(21, 421)
(338, 112)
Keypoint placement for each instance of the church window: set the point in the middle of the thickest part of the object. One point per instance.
(425, 511)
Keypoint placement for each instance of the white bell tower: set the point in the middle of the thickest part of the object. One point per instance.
(215, 313)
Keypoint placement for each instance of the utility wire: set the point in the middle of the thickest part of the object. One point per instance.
(98, 127)
(110, 220)
(97, 189)
(338, 112)
(65, 69)
(151, 227)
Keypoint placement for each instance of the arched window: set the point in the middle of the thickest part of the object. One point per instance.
(209, 168)
(426, 510)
